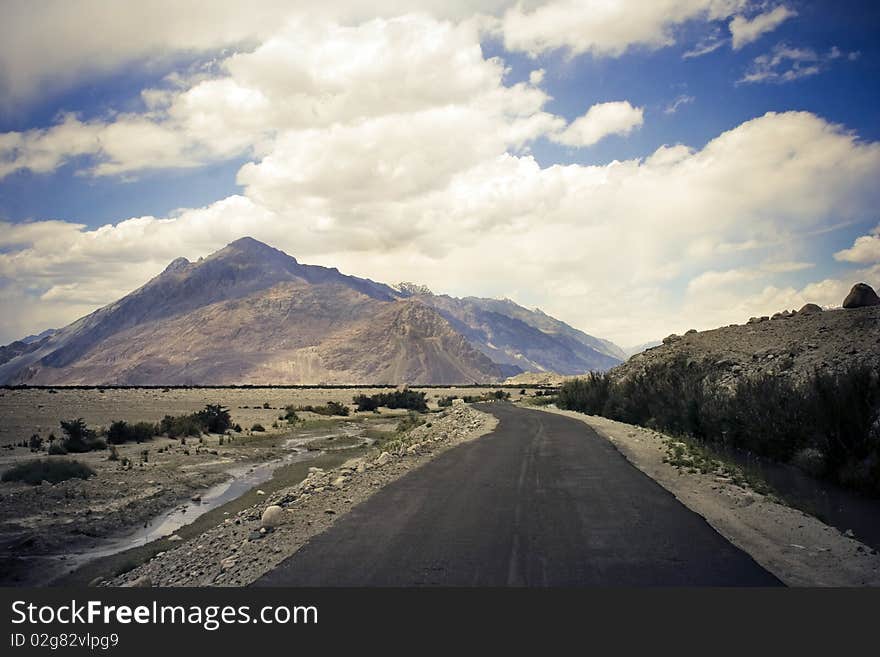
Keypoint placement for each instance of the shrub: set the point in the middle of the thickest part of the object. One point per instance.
(365, 403)
(827, 425)
(330, 408)
(258, 427)
(79, 438)
(114, 454)
(56, 449)
(121, 432)
(406, 398)
(445, 402)
(214, 418)
(35, 472)
(35, 443)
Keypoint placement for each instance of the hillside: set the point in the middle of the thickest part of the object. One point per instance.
(791, 345)
(251, 314)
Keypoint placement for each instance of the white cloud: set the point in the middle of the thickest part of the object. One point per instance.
(786, 64)
(744, 30)
(607, 28)
(865, 250)
(679, 101)
(49, 45)
(600, 121)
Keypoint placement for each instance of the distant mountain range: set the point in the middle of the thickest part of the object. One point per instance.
(251, 314)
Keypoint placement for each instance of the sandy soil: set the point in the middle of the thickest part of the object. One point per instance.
(797, 548)
(241, 549)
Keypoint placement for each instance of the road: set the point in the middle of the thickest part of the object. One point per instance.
(541, 501)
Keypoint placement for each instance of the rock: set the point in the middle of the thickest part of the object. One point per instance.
(196, 498)
(383, 458)
(849, 533)
(96, 582)
(272, 516)
(860, 296)
(261, 492)
(669, 339)
(339, 482)
(329, 512)
(690, 331)
(255, 536)
(174, 538)
(227, 563)
(142, 582)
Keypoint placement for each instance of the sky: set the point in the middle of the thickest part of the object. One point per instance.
(633, 168)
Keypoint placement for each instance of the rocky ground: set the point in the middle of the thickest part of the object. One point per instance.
(798, 548)
(251, 542)
(791, 345)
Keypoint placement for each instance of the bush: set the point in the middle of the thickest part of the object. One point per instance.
(214, 418)
(365, 403)
(330, 408)
(79, 438)
(56, 449)
(445, 402)
(121, 432)
(258, 427)
(35, 443)
(827, 425)
(35, 472)
(406, 398)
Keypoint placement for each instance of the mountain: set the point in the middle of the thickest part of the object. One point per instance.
(522, 340)
(251, 314)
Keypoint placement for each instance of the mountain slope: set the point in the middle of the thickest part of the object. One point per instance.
(523, 340)
(251, 314)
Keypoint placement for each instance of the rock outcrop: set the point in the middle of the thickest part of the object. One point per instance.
(861, 295)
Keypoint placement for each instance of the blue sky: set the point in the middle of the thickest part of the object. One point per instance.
(249, 130)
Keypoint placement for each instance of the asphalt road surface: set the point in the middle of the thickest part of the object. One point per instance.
(541, 501)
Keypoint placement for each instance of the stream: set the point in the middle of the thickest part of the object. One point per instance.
(243, 478)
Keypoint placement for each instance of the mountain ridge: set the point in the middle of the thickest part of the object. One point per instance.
(249, 313)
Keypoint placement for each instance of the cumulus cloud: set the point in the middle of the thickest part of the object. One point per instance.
(787, 63)
(605, 28)
(746, 30)
(600, 121)
(50, 44)
(865, 250)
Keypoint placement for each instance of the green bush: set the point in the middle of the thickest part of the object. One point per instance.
(121, 432)
(56, 449)
(406, 398)
(445, 402)
(35, 472)
(258, 427)
(79, 438)
(35, 443)
(828, 424)
(329, 409)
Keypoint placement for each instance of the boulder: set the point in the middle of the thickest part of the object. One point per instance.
(669, 339)
(810, 309)
(142, 582)
(861, 295)
(272, 516)
(384, 457)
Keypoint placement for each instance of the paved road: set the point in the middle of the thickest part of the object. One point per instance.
(542, 501)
